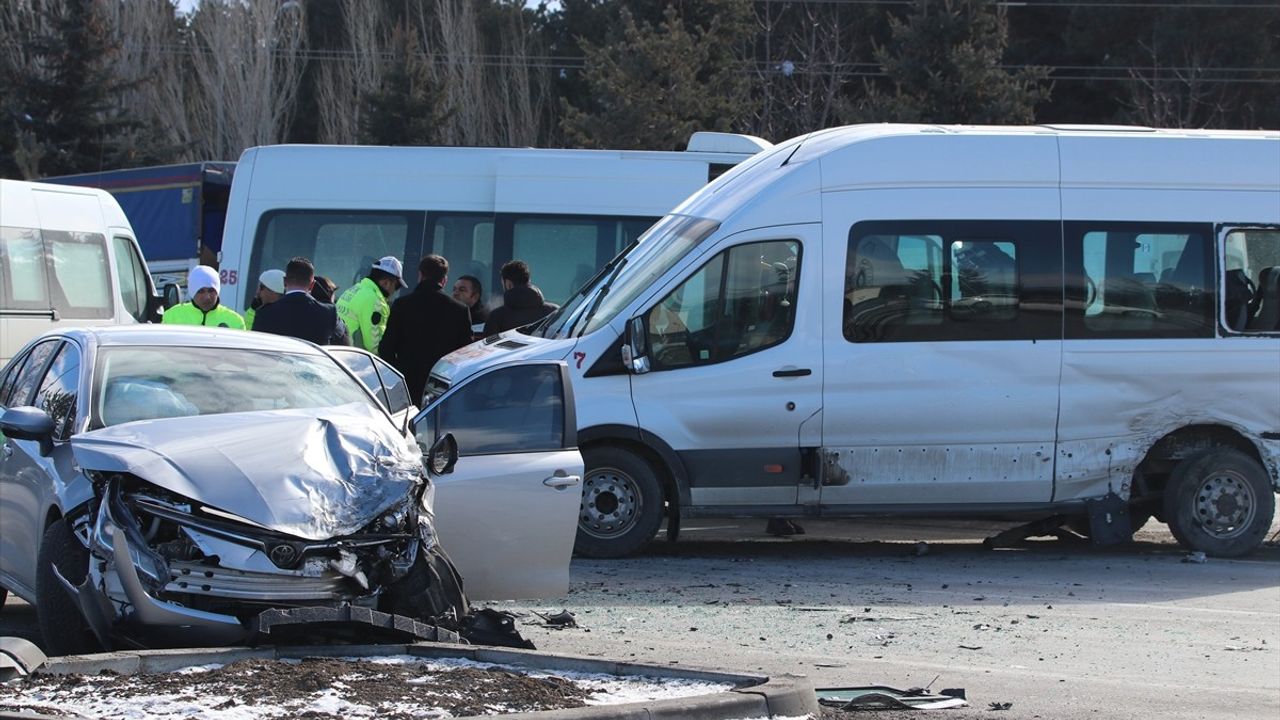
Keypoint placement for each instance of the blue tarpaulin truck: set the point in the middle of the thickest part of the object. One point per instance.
(177, 211)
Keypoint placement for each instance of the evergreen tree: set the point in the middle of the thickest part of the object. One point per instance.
(943, 64)
(657, 84)
(59, 108)
(407, 109)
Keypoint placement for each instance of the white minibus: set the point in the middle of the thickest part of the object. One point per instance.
(68, 256)
(564, 212)
(1006, 322)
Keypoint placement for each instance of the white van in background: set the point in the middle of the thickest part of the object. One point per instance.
(565, 212)
(67, 257)
(1030, 322)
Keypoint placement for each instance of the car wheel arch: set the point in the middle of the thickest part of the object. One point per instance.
(655, 450)
(1188, 440)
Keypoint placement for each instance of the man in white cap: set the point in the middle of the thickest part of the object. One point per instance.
(203, 307)
(363, 306)
(270, 289)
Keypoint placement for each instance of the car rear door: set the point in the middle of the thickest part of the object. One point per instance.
(507, 513)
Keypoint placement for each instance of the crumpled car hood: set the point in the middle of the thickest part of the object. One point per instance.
(314, 474)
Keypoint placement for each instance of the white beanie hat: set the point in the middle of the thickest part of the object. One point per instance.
(201, 277)
(272, 280)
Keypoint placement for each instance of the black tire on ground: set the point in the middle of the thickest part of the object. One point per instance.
(621, 506)
(62, 625)
(1219, 502)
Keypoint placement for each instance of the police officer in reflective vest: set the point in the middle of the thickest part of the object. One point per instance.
(363, 306)
(203, 308)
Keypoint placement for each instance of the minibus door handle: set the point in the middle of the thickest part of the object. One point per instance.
(792, 372)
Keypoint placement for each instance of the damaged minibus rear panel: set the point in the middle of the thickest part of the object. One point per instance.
(1034, 323)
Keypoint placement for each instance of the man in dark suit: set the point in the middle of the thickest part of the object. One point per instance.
(424, 326)
(299, 315)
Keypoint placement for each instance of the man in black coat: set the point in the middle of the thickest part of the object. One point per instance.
(424, 326)
(522, 303)
(299, 315)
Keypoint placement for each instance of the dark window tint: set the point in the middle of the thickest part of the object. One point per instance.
(58, 391)
(1139, 280)
(1251, 280)
(9, 379)
(742, 301)
(29, 377)
(952, 280)
(515, 409)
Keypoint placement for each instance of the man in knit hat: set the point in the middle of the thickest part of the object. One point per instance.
(203, 307)
(270, 289)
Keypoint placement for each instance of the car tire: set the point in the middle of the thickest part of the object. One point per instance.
(61, 623)
(1219, 502)
(4, 596)
(621, 506)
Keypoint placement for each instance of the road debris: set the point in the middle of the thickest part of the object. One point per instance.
(560, 620)
(1195, 557)
(883, 697)
(999, 705)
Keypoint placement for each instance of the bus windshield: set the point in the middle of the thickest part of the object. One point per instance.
(629, 274)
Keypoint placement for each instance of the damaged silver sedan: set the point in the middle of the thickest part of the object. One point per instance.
(184, 487)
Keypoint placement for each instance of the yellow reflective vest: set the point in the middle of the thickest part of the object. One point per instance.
(188, 314)
(364, 309)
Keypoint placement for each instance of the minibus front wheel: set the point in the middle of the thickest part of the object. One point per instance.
(621, 503)
(1219, 502)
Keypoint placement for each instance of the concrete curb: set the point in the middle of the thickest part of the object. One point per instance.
(754, 696)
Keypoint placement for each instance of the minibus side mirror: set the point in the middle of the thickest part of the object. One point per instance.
(635, 347)
(155, 308)
(172, 295)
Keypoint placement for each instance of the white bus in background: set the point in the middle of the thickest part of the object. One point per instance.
(68, 257)
(921, 320)
(565, 212)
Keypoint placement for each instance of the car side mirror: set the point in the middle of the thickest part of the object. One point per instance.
(172, 295)
(443, 455)
(635, 347)
(29, 423)
(155, 308)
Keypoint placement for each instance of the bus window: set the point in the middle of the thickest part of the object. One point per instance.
(1145, 281)
(1251, 284)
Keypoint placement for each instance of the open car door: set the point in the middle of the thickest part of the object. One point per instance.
(508, 513)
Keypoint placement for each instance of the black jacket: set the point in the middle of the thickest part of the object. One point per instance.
(299, 315)
(520, 306)
(423, 327)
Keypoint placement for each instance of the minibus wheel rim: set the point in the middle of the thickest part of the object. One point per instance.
(1224, 504)
(610, 503)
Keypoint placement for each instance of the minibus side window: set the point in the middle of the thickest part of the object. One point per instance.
(22, 268)
(81, 277)
(934, 280)
(741, 301)
(1251, 285)
(1142, 280)
(343, 244)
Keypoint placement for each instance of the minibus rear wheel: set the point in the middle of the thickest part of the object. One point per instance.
(621, 503)
(1219, 502)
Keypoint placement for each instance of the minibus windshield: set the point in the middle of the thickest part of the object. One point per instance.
(630, 274)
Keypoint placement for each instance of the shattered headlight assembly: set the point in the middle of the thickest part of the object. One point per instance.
(116, 516)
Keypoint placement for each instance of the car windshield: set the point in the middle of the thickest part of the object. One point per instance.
(146, 383)
(629, 274)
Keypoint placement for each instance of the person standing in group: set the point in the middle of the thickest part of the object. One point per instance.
(468, 291)
(203, 308)
(425, 326)
(299, 315)
(522, 302)
(363, 306)
(270, 289)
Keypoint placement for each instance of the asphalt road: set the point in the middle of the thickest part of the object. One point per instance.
(1058, 630)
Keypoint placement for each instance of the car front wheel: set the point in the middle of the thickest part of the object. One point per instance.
(62, 625)
(621, 503)
(1219, 502)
